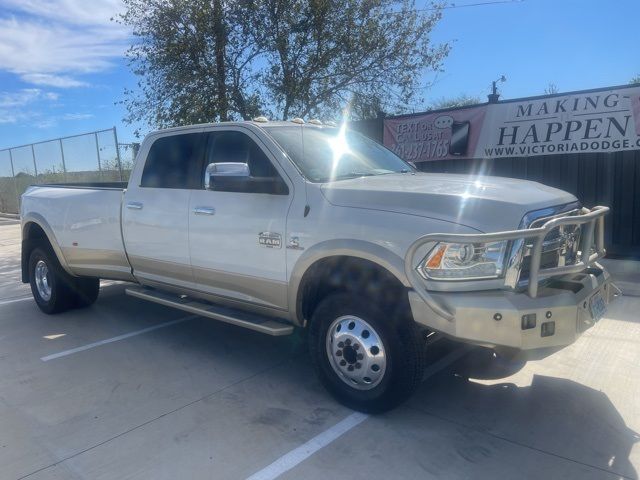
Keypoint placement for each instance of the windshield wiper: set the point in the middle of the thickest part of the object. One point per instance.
(346, 176)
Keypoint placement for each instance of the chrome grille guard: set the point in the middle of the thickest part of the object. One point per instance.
(592, 219)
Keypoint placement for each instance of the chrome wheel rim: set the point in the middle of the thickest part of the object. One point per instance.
(42, 280)
(356, 352)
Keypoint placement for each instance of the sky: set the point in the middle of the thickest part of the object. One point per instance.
(63, 71)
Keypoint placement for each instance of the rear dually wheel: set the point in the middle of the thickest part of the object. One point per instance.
(53, 289)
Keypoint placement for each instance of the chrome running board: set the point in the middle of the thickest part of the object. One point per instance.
(240, 318)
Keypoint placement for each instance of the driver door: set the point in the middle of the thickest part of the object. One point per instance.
(236, 234)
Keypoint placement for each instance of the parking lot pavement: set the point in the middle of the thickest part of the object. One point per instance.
(134, 390)
(10, 286)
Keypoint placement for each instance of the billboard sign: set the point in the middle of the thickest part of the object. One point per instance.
(593, 121)
(435, 136)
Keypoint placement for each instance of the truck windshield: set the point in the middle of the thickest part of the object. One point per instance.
(328, 154)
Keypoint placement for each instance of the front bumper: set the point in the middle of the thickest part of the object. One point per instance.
(495, 318)
(553, 311)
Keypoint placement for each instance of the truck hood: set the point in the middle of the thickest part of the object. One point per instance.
(487, 204)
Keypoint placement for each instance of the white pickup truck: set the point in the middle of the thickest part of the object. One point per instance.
(276, 225)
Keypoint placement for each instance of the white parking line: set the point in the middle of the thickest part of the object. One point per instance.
(66, 353)
(14, 300)
(11, 272)
(304, 451)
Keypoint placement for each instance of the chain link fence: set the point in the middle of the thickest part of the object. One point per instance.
(88, 157)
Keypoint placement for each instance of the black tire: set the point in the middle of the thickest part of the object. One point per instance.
(61, 297)
(403, 346)
(85, 291)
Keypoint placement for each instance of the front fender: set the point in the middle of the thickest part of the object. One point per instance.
(375, 253)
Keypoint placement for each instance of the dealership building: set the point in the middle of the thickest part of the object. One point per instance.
(585, 142)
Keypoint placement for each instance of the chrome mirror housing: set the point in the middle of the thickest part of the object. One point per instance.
(237, 170)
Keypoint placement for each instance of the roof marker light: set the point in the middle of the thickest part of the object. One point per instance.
(315, 121)
(261, 119)
(298, 120)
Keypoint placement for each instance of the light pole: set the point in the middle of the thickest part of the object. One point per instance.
(494, 95)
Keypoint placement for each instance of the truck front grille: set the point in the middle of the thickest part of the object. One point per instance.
(560, 246)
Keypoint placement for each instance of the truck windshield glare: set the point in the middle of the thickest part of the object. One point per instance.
(328, 154)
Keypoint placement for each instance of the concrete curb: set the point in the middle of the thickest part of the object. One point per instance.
(13, 216)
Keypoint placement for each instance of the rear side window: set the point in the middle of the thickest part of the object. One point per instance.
(175, 162)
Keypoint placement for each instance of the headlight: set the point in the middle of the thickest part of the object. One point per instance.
(464, 261)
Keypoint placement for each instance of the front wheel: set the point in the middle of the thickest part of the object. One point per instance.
(370, 360)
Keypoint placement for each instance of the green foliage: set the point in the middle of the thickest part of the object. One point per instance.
(174, 58)
(8, 195)
(209, 60)
(461, 100)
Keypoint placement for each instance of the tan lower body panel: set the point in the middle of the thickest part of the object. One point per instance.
(243, 288)
(106, 264)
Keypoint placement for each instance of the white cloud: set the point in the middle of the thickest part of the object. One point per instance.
(8, 117)
(81, 12)
(57, 44)
(60, 81)
(45, 123)
(23, 97)
(77, 116)
(52, 42)
(16, 106)
(24, 106)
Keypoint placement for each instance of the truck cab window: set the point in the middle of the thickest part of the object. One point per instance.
(175, 162)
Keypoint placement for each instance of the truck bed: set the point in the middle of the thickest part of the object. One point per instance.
(84, 220)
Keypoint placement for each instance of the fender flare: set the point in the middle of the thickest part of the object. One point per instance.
(375, 253)
(39, 220)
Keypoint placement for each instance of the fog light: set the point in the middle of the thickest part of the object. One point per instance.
(528, 321)
(547, 329)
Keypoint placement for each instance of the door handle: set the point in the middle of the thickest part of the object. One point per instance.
(134, 205)
(204, 211)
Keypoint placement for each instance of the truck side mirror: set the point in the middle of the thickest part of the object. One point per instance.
(227, 172)
(236, 177)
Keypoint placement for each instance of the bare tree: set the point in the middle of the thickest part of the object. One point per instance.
(551, 89)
